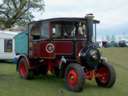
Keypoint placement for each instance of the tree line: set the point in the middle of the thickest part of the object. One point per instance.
(18, 12)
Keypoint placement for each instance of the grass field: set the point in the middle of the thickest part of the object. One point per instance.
(12, 85)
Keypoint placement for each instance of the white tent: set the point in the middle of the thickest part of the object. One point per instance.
(7, 44)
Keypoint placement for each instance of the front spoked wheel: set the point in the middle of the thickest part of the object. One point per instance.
(105, 75)
(74, 77)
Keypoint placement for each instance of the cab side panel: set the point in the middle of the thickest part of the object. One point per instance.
(63, 47)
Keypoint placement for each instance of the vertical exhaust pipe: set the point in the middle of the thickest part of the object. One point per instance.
(89, 22)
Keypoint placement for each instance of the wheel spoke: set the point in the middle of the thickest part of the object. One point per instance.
(103, 75)
(72, 78)
(22, 69)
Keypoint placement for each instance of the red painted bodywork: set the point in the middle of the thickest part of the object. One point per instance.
(62, 47)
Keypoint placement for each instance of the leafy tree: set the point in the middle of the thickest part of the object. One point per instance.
(18, 12)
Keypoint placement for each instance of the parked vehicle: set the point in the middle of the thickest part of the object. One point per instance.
(7, 45)
(64, 47)
(122, 43)
(112, 44)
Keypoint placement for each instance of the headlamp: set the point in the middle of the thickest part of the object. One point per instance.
(94, 54)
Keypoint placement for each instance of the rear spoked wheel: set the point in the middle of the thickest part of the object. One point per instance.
(23, 69)
(105, 75)
(74, 77)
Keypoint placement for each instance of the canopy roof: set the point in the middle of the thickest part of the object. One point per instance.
(64, 19)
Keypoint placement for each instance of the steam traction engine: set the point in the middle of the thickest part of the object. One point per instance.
(64, 47)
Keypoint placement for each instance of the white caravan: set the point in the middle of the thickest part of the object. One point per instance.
(7, 45)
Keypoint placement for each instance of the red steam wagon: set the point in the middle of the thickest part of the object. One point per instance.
(65, 47)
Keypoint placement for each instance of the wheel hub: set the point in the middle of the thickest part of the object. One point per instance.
(72, 77)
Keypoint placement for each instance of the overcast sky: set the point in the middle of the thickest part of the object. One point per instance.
(110, 12)
(113, 14)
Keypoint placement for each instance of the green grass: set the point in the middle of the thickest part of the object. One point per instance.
(12, 85)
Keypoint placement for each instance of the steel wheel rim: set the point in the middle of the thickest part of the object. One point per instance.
(22, 69)
(72, 78)
(103, 75)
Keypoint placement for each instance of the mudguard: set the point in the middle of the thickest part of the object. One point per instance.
(17, 59)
